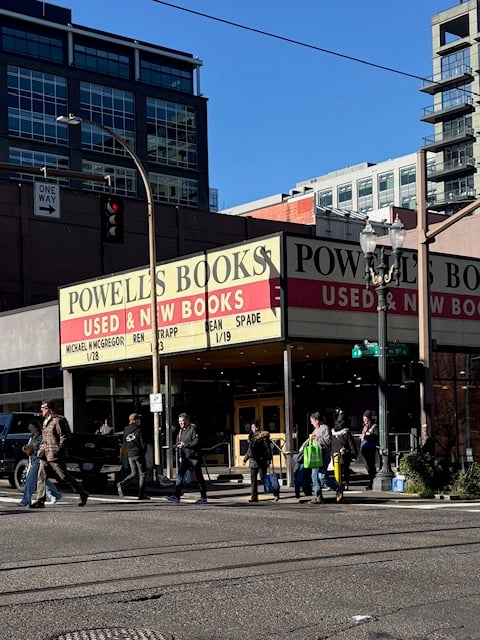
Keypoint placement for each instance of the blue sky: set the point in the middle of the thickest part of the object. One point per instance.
(279, 113)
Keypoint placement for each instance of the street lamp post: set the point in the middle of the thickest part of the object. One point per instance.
(380, 274)
(75, 120)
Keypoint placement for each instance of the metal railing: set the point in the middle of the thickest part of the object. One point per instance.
(204, 451)
(279, 448)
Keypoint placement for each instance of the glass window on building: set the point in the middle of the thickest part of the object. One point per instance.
(213, 200)
(114, 397)
(123, 180)
(29, 158)
(52, 377)
(455, 64)
(10, 382)
(112, 108)
(409, 202)
(408, 187)
(458, 155)
(171, 133)
(455, 97)
(457, 127)
(459, 187)
(166, 74)
(31, 379)
(174, 190)
(24, 389)
(34, 101)
(325, 198)
(32, 43)
(101, 60)
(386, 190)
(344, 196)
(365, 195)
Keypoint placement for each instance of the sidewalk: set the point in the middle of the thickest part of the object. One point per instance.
(235, 487)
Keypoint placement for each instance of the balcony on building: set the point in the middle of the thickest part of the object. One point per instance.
(449, 138)
(451, 200)
(457, 166)
(454, 77)
(457, 106)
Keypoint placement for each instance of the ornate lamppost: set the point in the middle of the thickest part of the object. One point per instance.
(379, 273)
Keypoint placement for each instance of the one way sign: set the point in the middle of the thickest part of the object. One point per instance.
(47, 200)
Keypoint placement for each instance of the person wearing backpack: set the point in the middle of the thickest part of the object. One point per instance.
(136, 447)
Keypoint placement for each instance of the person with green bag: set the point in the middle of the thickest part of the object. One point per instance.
(321, 436)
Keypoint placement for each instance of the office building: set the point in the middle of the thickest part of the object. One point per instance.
(147, 94)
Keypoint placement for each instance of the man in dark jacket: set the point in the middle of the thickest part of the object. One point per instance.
(188, 445)
(344, 444)
(259, 456)
(51, 454)
(134, 442)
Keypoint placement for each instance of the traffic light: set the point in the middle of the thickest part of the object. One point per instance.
(412, 372)
(112, 219)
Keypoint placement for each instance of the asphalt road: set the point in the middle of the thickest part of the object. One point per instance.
(229, 570)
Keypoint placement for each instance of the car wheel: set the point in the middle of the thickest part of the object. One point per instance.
(20, 474)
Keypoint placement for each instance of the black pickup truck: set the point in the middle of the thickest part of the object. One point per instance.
(90, 457)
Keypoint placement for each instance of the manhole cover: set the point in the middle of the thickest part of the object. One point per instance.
(112, 634)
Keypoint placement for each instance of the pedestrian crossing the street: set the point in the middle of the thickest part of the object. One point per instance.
(358, 499)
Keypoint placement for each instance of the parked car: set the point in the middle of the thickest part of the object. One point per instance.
(90, 457)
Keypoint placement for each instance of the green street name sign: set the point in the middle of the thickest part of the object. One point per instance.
(368, 351)
(397, 349)
(373, 350)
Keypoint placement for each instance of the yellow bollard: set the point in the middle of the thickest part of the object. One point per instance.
(337, 468)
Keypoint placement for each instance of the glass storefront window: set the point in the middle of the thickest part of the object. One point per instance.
(31, 379)
(52, 377)
(10, 382)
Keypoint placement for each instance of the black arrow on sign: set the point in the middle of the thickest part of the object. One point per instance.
(50, 209)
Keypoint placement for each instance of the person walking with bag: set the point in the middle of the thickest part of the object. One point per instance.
(31, 449)
(368, 446)
(321, 436)
(259, 456)
(343, 444)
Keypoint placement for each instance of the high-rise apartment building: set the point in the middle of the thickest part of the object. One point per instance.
(148, 95)
(455, 91)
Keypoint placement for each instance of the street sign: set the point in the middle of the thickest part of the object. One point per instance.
(373, 350)
(156, 403)
(366, 351)
(397, 350)
(47, 199)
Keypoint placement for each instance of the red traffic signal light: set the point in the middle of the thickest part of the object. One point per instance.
(112, 219)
